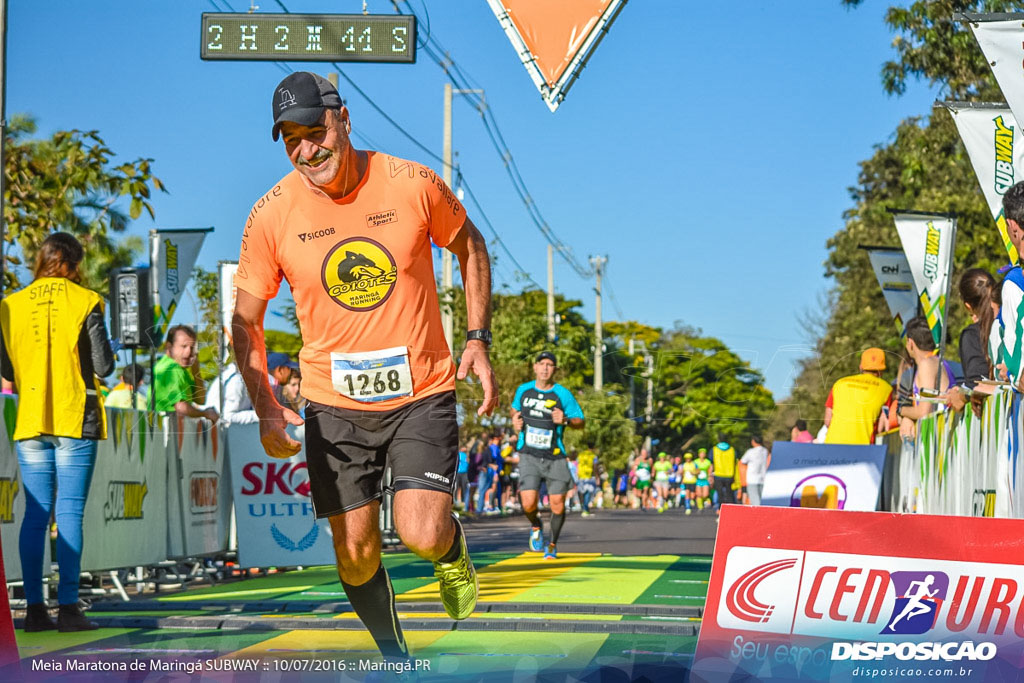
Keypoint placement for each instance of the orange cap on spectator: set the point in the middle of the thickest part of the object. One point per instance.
(872, 359)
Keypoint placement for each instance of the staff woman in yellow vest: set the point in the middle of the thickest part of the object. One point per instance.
(54, 345)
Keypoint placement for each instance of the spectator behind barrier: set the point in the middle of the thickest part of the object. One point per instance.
(238, 408)
(176, 382)
(54, 344)
(799, 433)
(290, 392)
(280, 368)
(981, 297)
(854, 406)
(1011, 312)
(928, 370)
(132, 377)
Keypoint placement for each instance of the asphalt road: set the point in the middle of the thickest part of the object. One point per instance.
(620, 532)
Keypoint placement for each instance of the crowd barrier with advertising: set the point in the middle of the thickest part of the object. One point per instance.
(960, 464)
(159, 490)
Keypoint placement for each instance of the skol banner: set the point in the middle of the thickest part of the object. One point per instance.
(996, 149)
(555, 39)
(228, 293)
(172, 255)
(897, 282)
(829, 476)
(829, 595)
(927, 241)
(273, 511)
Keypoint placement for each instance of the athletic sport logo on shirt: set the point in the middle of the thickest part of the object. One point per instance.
(359, 274)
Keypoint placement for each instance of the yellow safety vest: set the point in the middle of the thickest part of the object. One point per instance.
(41, 325)
(725, 461)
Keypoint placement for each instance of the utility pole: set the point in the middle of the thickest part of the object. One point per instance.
(447, 319)
(598, 263)
(551, 292)
(632, 382)
(446, 256)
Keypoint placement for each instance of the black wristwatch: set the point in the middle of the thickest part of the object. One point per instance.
(479, 335)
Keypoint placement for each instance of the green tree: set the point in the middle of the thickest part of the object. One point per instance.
(923, 167)
(68, 182)
(607, 427)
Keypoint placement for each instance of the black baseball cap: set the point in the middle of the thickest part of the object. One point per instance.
(546, 355)
(302, 98)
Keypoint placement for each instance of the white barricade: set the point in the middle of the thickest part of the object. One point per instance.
(12, 494)
(125, 522)
(199, 495)
(273, 511)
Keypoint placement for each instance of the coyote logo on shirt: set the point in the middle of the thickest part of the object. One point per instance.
(359, 274)
(356, 267)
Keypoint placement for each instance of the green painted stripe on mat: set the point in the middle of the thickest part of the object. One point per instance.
(684, 568)
(44, 642)
(529, 655)
(146, 643)
(608, 579)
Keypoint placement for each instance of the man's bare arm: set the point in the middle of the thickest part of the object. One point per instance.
(470, 248)
(251, 356)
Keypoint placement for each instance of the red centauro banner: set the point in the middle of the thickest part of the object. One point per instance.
(799, 594)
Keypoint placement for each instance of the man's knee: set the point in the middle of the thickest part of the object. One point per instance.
(357, 560)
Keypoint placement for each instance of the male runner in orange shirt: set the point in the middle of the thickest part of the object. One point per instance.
(351, 232)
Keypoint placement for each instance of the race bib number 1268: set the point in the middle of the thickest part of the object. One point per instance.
(372, 376)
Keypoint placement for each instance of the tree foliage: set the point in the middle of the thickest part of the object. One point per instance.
(923, 167)
(68, 182)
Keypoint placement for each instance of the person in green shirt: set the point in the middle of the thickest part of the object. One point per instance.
(662, 471)
(176, 383)
(705, 475)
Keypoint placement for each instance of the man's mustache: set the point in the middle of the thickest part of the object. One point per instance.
(320, 155)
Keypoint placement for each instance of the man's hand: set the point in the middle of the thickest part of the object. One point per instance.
(517, 422)
(955, 399)
(558, 416)
(474, 358)
(211, 415)
(275, 439)
(1002, 373)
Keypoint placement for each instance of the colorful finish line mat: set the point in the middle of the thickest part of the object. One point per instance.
(536, 619)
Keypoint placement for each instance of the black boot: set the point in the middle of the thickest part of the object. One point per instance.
(70, 618)
(37, 619)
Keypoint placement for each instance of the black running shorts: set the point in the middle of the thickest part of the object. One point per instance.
(347, 450)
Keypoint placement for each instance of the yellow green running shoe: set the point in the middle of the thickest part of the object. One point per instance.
(459, 585)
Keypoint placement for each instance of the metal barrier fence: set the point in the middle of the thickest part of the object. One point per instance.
(960, 464)
(164, 492)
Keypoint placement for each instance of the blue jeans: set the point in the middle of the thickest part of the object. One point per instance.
(483, 483)
(47, 461)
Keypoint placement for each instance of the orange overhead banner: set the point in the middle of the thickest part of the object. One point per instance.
(554, 40)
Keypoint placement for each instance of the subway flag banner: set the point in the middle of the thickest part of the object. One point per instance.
(927, 241)
(172, 255)
(1001, 37)
(228, 293)
(827, 595)
(994, 145)
(830, 476)
(897, 282)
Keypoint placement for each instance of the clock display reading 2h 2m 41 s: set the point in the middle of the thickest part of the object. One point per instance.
(309, 37)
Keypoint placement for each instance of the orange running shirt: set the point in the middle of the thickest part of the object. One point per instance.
(856, 402)
(362, 276)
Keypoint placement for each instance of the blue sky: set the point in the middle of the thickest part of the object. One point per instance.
(706, 150)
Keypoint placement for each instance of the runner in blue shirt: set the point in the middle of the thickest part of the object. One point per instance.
(541, 410)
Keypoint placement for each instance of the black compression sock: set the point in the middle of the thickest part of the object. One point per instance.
(374, 602)
(456, 549)
(534, 518)
(556, 526)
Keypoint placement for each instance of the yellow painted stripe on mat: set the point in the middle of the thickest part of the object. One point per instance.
(528, 616)
(504, 581)
(188, 597)
(609, 580)
(330, 644)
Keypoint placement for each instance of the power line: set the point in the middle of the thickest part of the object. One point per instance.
(460, 79)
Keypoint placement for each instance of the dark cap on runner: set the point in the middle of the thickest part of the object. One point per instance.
(546, 355)
(302, 98)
